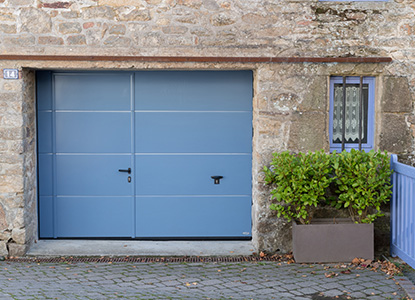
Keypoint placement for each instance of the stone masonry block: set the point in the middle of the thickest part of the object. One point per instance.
(222, 19)
(70, 14)
(395, 135)
(19, 41)
(117, 29)
(308, 132)
(3, 222)
(5, 28)
(315, 98)
(56, 4)
(19, 235)
(8, 17)
(21, 2)
(134, 15)
(154, 2)
(174, 29)
(76, 40)
(396, 95)
(284, 102)
(117, 41)
(11, 133)
(102, 12)
(121, 2)
(190, 3)
(257, 19)
(275, 235)
(50, 40)
(9, 202)
(269, 126)
(17, 249)
(11, 184)
(3, 248)
(35, 21)
(70, 27)
(12, 86)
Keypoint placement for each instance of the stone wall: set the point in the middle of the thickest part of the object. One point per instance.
(208, 27)
(12, 161)
(290, 99)
(18, 212)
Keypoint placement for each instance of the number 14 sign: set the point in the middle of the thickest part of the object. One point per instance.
(10, 74)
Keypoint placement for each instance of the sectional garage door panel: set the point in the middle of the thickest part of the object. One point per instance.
(45, 170)
(193, 132)
(83, 91)
(194, 90)
(191, 174)
(45, 127)
(92, 175)
(46, 216)
(91, 217)
(44, 92)
(93, 132)
(193, 216)
(131, 154)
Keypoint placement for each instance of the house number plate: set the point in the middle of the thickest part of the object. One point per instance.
(11, 74)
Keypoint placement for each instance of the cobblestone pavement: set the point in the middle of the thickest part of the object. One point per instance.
(246, 280)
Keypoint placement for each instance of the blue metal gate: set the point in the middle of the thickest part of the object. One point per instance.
(132, 154)
(403, 211)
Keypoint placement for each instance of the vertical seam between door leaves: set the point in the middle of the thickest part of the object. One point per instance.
(133, 167)
(54, 192)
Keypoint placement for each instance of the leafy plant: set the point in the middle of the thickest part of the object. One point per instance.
(300, 183)
(362, 182)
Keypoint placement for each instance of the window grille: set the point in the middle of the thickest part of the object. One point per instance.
(351, 113)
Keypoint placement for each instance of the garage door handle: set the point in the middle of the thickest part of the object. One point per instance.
(216, 179)
(127, 171)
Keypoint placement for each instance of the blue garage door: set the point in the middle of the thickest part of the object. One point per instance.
(133, 154)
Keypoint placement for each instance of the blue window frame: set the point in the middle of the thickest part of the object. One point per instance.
(352, 113)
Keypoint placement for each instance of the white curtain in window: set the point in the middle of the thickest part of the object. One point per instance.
(352, 114)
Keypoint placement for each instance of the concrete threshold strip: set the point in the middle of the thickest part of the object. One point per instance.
(55, 251)
(114, 248)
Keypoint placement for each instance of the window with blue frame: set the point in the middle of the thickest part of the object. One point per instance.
(352, 113)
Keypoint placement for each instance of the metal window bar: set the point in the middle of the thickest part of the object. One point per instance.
(360, 113)
(344, 115)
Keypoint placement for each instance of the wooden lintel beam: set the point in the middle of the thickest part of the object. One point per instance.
(201, 59)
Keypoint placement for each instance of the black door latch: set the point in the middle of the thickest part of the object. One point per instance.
(126, 171)
(216, 179)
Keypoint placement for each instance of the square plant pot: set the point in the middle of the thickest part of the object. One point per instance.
(325, 241)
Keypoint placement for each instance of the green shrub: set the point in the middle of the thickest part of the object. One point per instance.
(362, 183)
(300, 182)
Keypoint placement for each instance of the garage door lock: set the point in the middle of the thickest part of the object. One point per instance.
(216, 179)
(127, 171)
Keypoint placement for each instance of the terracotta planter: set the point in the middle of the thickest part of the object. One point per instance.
(324, 241)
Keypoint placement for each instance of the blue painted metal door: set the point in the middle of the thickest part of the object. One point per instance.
(173, 129)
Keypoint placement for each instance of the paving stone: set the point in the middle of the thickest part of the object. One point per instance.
(306, 291)
(376, 298)
(369, 284)
(332, 285)
(333, 293)
(158, 281)
(372, 291)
